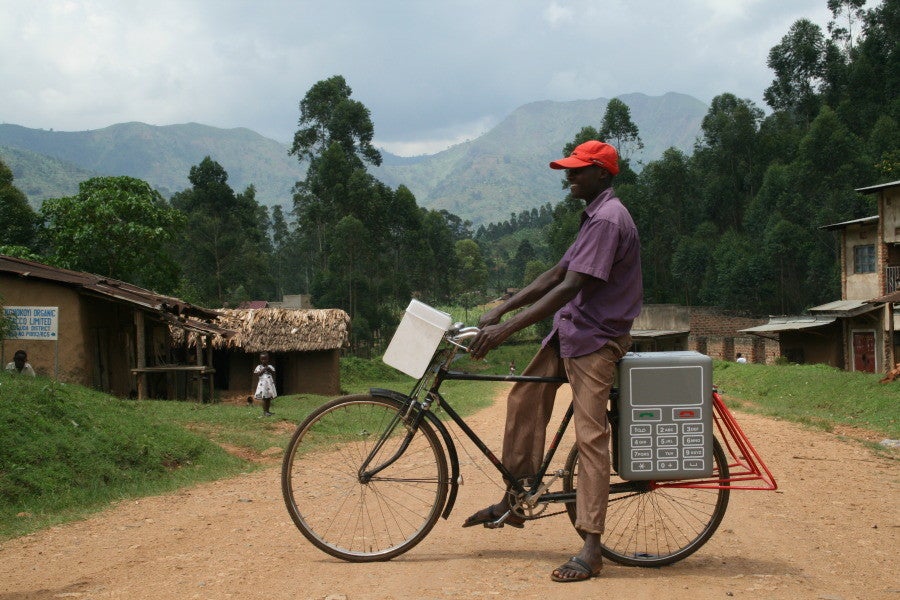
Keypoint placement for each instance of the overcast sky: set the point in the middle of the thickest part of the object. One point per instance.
(432, 73)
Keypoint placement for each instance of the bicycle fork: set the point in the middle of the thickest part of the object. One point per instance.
(364, 475)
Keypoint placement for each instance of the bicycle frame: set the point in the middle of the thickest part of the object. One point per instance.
(745, 462)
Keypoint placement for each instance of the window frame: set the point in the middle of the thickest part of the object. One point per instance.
(864, 259)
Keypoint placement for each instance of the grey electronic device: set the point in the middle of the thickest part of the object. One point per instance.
(665, 416)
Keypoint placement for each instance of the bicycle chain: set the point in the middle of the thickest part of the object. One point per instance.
(541, 516)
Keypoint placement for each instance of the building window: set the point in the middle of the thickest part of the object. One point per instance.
(864, 259)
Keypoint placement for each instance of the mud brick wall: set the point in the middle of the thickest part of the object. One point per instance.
(716, 333)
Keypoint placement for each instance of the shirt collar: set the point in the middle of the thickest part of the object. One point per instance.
(591, 209)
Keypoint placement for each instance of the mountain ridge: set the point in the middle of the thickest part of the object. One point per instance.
(501, 172)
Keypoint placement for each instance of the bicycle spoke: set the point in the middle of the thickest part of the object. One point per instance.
(363, 518)
(654, 526)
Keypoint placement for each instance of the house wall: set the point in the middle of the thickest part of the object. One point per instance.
(822, 347)
(296, 372)
(716, 333)
(861, 286)
(316, 373)
(867, 323)
(110, 345)
(73, 352)
(889, 230)
(889, 210)
(718, 322)
(96, 337)
(665, 344)
(668, 317)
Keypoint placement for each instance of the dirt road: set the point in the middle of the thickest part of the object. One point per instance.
(829, 533)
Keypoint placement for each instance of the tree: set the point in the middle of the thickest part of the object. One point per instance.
(799, 69)
(853, 11)
(873, 72)
(440, 263)
(226, 254)
(665, 208)
(525, 253)
(471, 272)
(831, 162)
(737, 276)
(351, 257)
(566, 221)
(884, 148)
(728, 157)
(115, 226)
(691, 262)
(18, 222)
(619, 130)
(328, 116)
(283, 251)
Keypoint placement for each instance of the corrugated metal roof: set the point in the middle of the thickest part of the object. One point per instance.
(875, 188)
(776, 324)
(893, 297)
(844, 308)
(656, 333)
(106, 287)
(862, 221)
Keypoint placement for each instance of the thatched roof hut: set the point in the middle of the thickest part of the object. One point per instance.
(283, 329)
(256, 330)
(304, 346)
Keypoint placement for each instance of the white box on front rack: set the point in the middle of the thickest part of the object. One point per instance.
(417, 337)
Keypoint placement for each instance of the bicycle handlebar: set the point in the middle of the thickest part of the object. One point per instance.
(463, 333)
(458, 333)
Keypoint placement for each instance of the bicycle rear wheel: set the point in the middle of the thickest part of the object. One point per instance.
(352, 516)
(649, 526)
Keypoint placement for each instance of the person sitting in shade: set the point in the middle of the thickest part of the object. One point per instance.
(20, 365)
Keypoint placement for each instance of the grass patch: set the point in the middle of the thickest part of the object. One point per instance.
(816, 395)
(236, 425)
(69, 451)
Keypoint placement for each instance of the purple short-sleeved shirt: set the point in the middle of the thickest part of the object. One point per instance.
(608, 249)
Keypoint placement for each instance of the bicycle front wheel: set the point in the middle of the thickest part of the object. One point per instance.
(650, 526)
(355, 515)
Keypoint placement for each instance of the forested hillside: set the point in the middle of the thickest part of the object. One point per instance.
(40, 176)
(734, 222)
(505, 170)
(160, 155)
(483, 180)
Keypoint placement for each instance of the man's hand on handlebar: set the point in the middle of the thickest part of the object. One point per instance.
(491, 317)
(487, 339)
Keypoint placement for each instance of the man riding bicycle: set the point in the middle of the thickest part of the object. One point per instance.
(595, 293)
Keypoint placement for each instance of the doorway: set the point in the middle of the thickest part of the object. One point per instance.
(864, 358)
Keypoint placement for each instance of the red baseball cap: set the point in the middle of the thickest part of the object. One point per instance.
(590, 153)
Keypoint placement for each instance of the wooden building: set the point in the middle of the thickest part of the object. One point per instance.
(111, 335)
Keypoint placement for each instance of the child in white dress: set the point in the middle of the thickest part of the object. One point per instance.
(265, 387)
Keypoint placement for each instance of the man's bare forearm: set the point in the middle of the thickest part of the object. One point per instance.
(531, 293)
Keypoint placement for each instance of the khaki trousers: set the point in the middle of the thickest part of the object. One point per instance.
(530, 406)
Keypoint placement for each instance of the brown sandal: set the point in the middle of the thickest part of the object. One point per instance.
(582, 570)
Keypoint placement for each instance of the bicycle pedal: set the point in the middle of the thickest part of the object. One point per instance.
(492, 525)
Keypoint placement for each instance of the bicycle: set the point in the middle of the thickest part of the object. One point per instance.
(366, 477)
